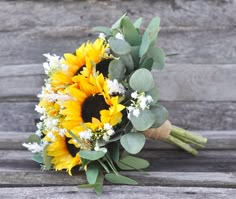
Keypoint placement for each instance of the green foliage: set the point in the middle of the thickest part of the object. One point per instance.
(131, 35)
(119, 46)
(133, 142)
(92, 173)
(141, 80)
(138, 23)
(33, 138)
(119, 179)
(154, 93)
(116, 70)
(158, 56)
(37, 157)
(144, 121)
(149, 35)
(91, 155)
(128, 62)
(114, 151)
(161, 115)
(46, 159)
(132, 163)
(117, 23)
(103, 29)
(147, 63)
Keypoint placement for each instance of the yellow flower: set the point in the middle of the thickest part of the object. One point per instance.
(88, 54)
(92, 105)
(64, 155)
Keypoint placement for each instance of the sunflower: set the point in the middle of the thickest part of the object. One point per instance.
(88, 54)
(91, 103)
(64, 154)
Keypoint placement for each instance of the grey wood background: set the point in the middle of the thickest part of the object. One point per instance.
(198, 86)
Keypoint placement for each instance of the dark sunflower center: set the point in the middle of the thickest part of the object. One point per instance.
(92, 107)
(71, 147)
(102, 67)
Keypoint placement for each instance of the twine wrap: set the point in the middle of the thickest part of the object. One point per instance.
(161, 133)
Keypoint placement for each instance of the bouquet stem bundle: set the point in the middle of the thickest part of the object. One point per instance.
(180, 137)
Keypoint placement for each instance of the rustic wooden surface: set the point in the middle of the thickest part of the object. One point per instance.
(197, 86)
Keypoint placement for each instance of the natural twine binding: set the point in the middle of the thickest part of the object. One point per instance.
(161, 133)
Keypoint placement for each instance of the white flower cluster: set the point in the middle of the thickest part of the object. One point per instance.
(86, 135)
(115, 87)
(53, 63)
(35, 147)
(140, 102)
(108, 132)
(119, 36)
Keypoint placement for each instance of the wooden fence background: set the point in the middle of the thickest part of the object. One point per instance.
(198, 86)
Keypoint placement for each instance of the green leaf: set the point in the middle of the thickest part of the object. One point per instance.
(86, 186)
(46, 159)
(132, 163)
(33, 138)
(149, 35)
(133, 142)
(158, 56)
(117, 23)
(119, 46)
(135, 56)
(138, 23)
(37, 157)
(154, 93)
(128, 62)
(116, 70)
(141, 80)
(103, 29)
(92, 173)
(91, 155)
(119, 179)
(144, 121)
(161, 115)
(148, 63)
(130, 33)
(99, 181)
(114, 150)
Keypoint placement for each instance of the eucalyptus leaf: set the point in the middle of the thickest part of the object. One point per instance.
(37, 157)
(33, 138)
(132, 163)
(99, 189)
(161, 115)
(133, 142)
(144, 121)
(117, 23)
(158, 56)
(114, 149)
(149, 35)
(128, 62)
(92, 173)
(148, 63)
(46, 159)
(119, 46)
(116, 70)
(130, 33)
(91, 155)
(154, 93)
(135, 56)
(119, 179)
(141, 80)
(103, 29)
(138, 23)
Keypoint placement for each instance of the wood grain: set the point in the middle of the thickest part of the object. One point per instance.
(177, 82)
(117, 192)
(30, 29)
(217, 140)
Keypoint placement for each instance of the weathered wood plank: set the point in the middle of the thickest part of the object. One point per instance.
(197, 82)
(192, 46)
(160, 160)
(218, 140)
(24, 178)
(117, 192)
(190, 115)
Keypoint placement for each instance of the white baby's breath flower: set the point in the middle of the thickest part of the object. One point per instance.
(102, 36)
(119, 36)
(39, 109)
(86, 135)
(51, 136)
(134, 95)
(136, 112)
(62, 132)
(34, 147)
(106, 137)
(54, 97)
(115, 87)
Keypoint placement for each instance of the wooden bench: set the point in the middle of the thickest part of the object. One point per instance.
(197, 86)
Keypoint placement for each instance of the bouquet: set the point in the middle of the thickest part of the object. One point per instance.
(100, 104)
